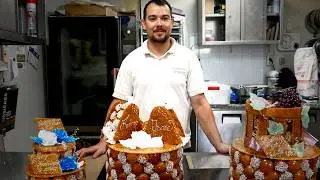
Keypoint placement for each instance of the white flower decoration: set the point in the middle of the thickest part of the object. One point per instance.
(305, 165)
(120, 113)
(309, 173)
(181, 165)
(118, 107)
(109, 151)
(111, 162)
(239, 168)
(169, 166)
(148, 168)
(127, 168)
(174, 173)
(115, 124)
(237, 157)
(286, 176)
(243, 177)
(113, 115)
(180, 153)
(122, 158)
(281, 166)
(114, 174)
(125, 105)
(165, 156)
(255, 163)
(154, 176)
(131, 177)
(258, 175)
(142, 159)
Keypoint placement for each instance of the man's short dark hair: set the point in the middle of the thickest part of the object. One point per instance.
(157, 2)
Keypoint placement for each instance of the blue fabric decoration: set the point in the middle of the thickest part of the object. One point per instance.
(37, 140)
(68, 163)
(62, 136)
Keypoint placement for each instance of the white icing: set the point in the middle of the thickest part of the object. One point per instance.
(109, 131)
(48, 138)
(281, 166)
(113, 115)
(165, 156)
(148, 168)
(127, 168)
(140, 139)
(169, 166)
(118, 107)
(122, 158)
(258, 175)
(286, 176)
(119, 115)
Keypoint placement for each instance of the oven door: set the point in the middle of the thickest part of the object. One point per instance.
(230, 124)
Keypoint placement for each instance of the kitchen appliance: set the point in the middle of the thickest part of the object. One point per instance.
(230, 124)
(83, 56)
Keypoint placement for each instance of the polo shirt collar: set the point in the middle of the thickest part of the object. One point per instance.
(172, 49)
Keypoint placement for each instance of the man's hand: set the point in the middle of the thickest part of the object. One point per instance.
(96, 150)
(223, 148)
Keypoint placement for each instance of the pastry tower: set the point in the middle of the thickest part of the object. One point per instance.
(54, 161)
(144, 163)
(275, 144)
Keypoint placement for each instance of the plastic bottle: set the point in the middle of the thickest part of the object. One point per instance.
(32, 17)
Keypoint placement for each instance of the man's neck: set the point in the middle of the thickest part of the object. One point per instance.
(159, 49)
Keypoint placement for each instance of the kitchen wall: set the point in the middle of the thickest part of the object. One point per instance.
(235, 65)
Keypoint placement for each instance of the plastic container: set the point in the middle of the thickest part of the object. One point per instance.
(32, 18)
(217, 93)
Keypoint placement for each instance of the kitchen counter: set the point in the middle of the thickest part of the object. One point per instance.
(205, 166)
(313, 106)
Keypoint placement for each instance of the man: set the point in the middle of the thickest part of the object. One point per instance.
(162, 71)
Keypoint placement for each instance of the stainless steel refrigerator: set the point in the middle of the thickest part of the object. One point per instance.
(84, 54)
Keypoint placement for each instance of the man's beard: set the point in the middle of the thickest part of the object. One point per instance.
(158, 39)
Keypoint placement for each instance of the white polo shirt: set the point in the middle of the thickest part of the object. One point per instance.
(172, 79)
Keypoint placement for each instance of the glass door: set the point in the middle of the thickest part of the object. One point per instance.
(83, 51)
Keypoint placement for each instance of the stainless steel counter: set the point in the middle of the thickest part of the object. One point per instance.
(205, 166)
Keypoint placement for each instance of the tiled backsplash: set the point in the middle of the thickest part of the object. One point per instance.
(236, 64)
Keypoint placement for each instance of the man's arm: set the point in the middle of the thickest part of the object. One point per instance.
(207, 122)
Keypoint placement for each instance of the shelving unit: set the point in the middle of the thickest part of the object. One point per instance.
(227, 22)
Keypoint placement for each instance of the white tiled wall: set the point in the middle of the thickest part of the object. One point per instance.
(237, 64)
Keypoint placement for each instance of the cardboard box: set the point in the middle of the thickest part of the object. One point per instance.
(93, 10)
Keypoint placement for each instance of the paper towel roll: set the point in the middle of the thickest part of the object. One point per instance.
(231, 119)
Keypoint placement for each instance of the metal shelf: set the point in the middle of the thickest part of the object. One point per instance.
(209, 43)
(7, 37)
(214, 15)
